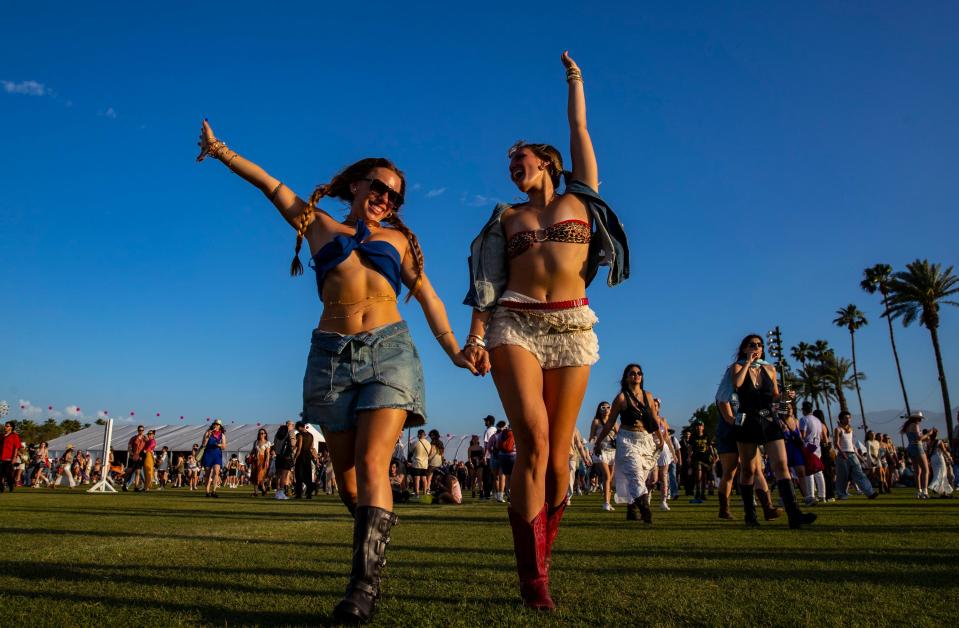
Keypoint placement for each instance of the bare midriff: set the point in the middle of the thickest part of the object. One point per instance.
(357, 298)
(550, 271)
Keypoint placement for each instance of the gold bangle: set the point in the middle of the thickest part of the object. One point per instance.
(440, 335)
(275, 190)
(230, 160)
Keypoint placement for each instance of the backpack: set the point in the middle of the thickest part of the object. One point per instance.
(506, 443)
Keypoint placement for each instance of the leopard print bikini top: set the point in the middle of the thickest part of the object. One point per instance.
(573, 231)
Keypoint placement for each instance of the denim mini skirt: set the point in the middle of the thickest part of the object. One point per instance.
(347, 374)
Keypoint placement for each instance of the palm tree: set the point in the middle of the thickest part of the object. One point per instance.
(877, 279)
(836, 371)
(802, 353)
(810, 384)
(916, 294)
(819, 352)
(852, 319)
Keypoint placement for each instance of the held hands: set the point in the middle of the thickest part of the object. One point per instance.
(477, 357)
(460, 360)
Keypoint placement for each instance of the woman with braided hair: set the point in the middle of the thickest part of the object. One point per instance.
(363, 381)
(529, 268)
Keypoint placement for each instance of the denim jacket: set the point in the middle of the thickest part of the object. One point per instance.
(489, 267)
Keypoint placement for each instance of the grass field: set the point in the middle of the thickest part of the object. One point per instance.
(179, 558)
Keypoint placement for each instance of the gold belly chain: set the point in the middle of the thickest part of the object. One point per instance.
(358, 306)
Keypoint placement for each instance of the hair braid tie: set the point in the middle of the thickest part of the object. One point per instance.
(302, 222)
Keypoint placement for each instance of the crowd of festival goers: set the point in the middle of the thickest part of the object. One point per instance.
(290, 464)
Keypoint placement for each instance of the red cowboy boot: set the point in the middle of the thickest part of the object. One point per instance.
(554, 514)
(529, 544)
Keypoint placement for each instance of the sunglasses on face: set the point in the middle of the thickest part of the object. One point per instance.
(635, 373)
(755, 345)
(394, 198)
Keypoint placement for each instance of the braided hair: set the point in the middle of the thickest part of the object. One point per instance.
(340, 187)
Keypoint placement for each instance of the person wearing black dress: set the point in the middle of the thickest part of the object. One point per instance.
(756, 423)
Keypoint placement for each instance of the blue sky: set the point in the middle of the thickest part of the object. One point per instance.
(760, 156)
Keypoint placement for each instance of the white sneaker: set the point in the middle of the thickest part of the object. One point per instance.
(664, 506)
(607, 507)
(280, 494)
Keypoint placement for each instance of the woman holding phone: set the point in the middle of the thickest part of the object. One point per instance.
(754, 381)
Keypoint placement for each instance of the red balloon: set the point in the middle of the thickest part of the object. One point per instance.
(181, 417)
(131, 413)
(49, 407)
(158, 414)
(22, 406)
(258, 424)
(78, 408)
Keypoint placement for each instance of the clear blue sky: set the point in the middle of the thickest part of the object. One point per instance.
(760, 157)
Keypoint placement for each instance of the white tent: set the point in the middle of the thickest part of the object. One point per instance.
(239, 437)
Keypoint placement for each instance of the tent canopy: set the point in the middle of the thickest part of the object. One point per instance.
(239, 437)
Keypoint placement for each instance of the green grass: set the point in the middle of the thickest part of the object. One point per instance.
(179, 558)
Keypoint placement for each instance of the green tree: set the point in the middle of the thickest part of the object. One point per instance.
(876, 279)
(818, 353)
(836, 371)
(915, 294)
(28, 430)
(48, 430)
(852, 319)
(69, 426)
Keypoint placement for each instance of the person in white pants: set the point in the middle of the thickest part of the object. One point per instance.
(813, 432)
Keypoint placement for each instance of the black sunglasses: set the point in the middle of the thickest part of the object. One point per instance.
(757, 345)
(394, 198)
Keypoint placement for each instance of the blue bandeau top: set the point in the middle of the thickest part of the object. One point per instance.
(383, 255)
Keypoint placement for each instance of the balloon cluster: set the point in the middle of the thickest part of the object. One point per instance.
(4, 409)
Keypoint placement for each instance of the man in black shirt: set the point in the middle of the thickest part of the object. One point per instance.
(701, 461)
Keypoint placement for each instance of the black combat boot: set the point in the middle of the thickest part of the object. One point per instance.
(371, 535)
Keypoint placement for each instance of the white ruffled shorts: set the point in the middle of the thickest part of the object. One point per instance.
(557, 338)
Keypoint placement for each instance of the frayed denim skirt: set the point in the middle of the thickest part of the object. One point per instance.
(347, 374)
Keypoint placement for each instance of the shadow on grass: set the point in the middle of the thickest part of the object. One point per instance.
(210, 614)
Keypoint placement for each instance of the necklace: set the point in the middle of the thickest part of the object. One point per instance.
(351, 222)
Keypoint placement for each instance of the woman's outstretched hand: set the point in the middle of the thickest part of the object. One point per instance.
(206, 140)
(568, 61)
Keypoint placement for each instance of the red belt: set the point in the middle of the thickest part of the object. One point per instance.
(552, 305)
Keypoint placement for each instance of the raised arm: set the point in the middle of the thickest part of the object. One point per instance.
(283, 198)
(580, 145)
